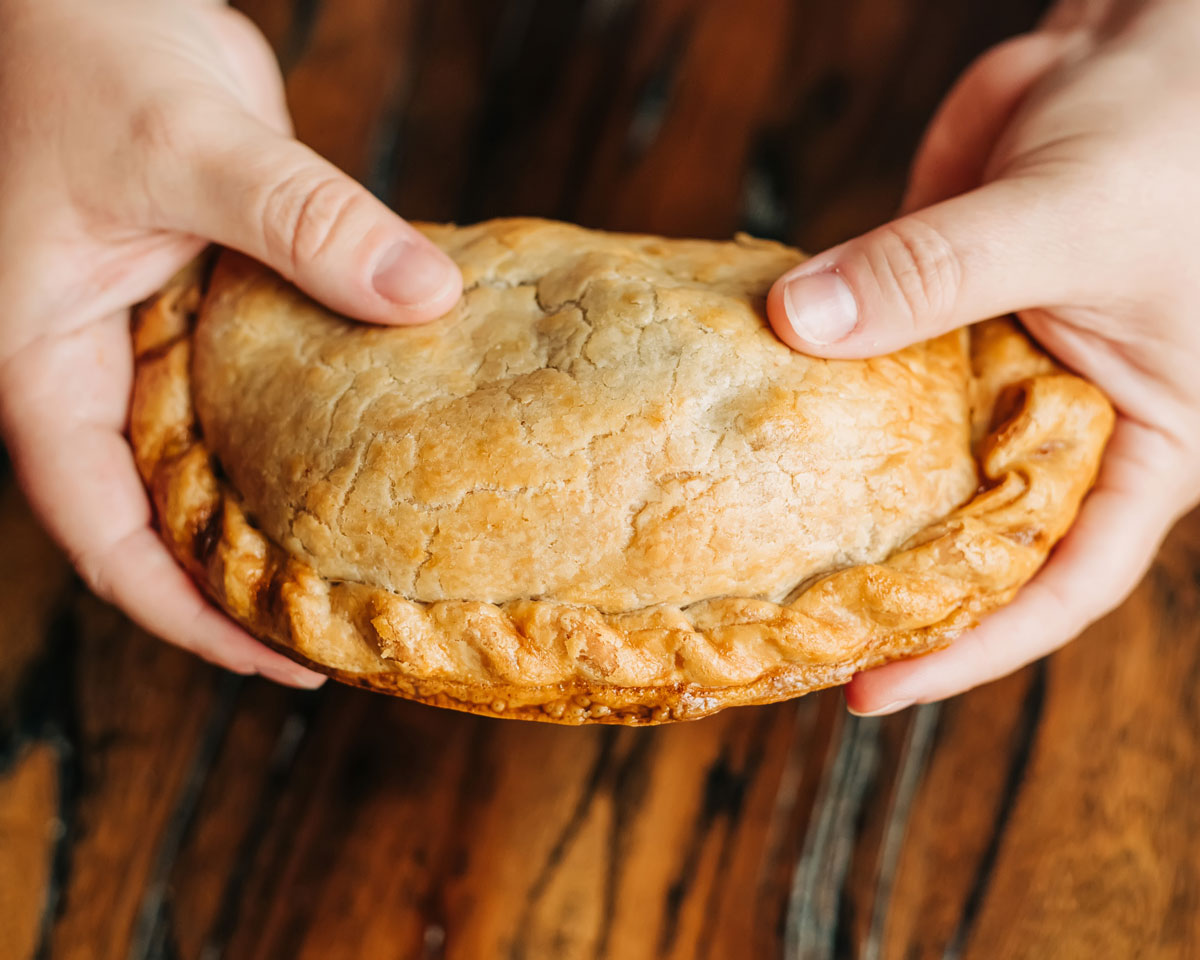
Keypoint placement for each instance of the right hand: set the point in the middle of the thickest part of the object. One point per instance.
(1059, 182)
(133, 133)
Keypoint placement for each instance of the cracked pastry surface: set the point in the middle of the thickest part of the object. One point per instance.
(601, 420)
(600, 488)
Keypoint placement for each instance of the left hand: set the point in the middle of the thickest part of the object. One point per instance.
(132, 133)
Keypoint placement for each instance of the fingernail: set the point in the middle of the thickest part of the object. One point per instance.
(412, 274)
(820, 307)
(894, 707)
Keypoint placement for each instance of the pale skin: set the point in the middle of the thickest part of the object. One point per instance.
(1060, 180)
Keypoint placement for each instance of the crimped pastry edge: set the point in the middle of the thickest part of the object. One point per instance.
(1038, 457)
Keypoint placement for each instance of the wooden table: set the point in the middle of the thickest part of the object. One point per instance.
(154, 807)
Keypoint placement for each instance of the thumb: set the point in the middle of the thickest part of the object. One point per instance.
(271, 197)
(995, 250)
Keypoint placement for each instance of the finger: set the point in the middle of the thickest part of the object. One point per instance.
(62, 406)
(1093, 569)
(961, 137)
(1006, 246)
(136, 573)
(253, 189)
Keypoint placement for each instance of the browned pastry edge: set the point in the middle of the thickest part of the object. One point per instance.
(1043, 437)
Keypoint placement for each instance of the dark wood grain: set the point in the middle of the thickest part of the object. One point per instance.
(138, 708)
(33, 754)
(961, 812)
(33, 578)
(1105, 827)
(152, 807)
(260, 727)
(28, 823)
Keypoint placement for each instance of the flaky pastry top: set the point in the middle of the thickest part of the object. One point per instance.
(604, 420)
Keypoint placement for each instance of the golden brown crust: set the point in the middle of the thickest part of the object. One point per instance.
(560, 660)
(603, 420)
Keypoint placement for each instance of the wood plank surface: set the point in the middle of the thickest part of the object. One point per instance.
(154, 808)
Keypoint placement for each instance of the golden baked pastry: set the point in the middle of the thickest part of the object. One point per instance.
(600, 489)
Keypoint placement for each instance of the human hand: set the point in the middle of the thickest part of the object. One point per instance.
(1060, 181)
(132, 133)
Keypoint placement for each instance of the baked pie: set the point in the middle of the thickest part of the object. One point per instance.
(600, 489)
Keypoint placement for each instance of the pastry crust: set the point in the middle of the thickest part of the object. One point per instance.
(599, 490)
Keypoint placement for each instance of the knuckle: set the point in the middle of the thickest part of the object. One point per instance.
(303, 215)
(93, 570)
(921, 267)
(100, 565)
